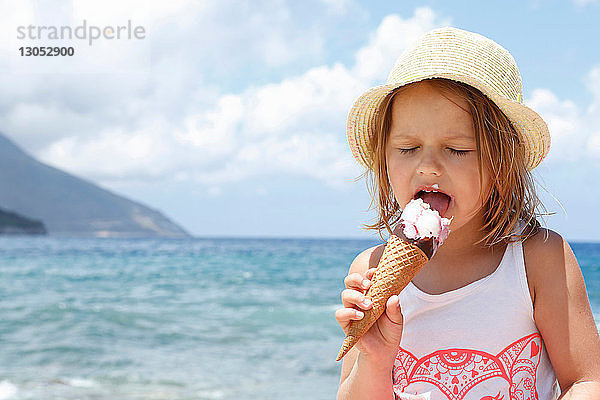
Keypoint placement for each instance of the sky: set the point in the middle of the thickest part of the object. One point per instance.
(229, 116)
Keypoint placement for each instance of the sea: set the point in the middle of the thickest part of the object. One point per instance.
(182, 319)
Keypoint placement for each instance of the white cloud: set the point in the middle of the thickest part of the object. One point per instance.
(139, 154)
(310, 100)
(297, 126)
(215, 130)
(170, 123)
(394, 35)
(564, 121)
(573, 128)
(191, 42)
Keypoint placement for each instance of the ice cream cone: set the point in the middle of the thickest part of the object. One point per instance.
(400, 262)
(421, 231)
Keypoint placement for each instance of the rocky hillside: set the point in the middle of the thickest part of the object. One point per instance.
(15, 224)
(71, 206)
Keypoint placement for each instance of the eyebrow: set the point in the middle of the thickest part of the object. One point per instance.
(462, 137)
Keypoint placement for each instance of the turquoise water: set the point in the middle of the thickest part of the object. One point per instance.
(179, 319)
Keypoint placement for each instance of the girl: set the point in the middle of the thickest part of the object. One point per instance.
(501, 311)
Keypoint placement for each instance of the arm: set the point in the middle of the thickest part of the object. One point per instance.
(365, 376)
(564, 317)
(582, 390)
(367, 379)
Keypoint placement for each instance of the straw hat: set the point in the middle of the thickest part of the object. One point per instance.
(462, 56)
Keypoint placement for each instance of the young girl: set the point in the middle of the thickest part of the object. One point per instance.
(501, 311)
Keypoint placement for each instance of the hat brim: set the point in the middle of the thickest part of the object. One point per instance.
(531, 126)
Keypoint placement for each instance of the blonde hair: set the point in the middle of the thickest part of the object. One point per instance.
(512, 196)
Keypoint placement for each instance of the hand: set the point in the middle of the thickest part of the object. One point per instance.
(383, 338)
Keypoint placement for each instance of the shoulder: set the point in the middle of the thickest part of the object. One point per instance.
(543, 241)
(542, 249)
(539, 251)
(551, 266)
(369, 258)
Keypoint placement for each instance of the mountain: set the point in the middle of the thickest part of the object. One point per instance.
(12, 223)
(71, 206)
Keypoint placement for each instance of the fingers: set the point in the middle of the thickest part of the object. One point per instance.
(345, 315)
(355, 299)
(370, 273)
(357, 282)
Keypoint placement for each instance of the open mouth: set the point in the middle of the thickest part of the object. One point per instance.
(437, 200)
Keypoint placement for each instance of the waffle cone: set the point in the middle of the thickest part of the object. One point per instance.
(400, 262)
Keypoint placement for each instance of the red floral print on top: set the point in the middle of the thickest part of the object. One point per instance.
(456, 371)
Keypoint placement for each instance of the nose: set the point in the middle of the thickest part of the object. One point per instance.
(428, 165)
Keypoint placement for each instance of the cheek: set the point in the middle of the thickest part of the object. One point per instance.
(398, 164)
(396, 169)
(474, 190)
(399, 179)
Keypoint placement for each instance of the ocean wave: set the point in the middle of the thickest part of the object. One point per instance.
(7, 390)
(80, 382)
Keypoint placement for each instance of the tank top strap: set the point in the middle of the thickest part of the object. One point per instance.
(519, 227)
(514, 271)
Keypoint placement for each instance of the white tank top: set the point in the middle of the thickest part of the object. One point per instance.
(478, 342)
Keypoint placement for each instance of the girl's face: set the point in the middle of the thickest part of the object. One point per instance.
(432, 141)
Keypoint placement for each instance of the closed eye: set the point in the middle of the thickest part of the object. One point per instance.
(407, 151)
(460, 153)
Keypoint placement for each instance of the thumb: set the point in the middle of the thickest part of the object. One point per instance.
(393, 311)
(393, 322)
